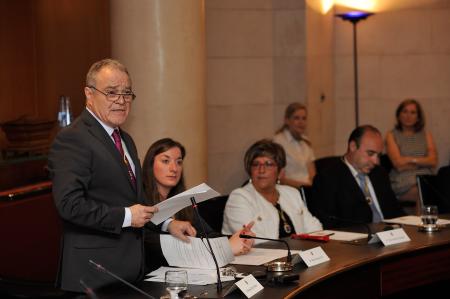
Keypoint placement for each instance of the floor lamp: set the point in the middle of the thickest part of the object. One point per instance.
(354, 17)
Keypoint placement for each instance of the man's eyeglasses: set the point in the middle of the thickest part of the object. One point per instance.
(114, 97)
(266, 164)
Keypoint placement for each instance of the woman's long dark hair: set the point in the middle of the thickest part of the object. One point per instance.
(150, 184)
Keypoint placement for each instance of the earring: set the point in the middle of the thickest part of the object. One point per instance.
(278, 181)
(249, 181)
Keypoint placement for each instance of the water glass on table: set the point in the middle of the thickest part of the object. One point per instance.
(429, 217)
(175, 282)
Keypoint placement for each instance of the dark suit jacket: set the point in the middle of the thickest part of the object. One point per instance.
(91, 187)
(335, 192)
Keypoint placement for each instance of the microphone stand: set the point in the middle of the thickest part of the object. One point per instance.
(90, 292)
(219, 282)
(100, 268)
(289, 256)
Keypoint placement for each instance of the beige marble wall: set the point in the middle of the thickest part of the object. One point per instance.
(255, 67)
(402, 53)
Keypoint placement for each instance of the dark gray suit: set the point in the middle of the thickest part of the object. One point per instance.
(335, 193)
(91, 187)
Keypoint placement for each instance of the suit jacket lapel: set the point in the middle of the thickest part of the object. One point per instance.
(353, 187)
(96, 129)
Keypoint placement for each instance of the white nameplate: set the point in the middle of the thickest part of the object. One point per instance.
(249, 285)
(314, 256)
(394, 236)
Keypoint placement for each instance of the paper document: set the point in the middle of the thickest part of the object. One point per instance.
(167, 208)
(196, 253)
(413, 220)
(339, 235)
(259, 256)
(195, 276)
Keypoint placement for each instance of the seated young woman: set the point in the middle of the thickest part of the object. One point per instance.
(163, 178)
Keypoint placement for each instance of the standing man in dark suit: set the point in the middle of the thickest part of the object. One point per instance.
(97, 186)
(354, 187)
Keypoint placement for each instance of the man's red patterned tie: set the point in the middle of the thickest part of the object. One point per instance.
(118, 143)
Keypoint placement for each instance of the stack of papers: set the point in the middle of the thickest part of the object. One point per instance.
(339, 235)
(195, 276)
(413, 220)
(196, 253)
(169, 207)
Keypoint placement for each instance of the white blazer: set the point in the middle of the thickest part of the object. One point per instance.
(246, 204)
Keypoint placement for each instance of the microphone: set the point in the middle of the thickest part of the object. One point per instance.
(197, 214)
(350, 221)
(102, 269)
(289, 256)
(89, 291)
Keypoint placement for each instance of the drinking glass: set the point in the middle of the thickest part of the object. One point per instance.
(429, 217)
(175, 282)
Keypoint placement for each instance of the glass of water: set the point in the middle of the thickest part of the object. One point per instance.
(176, 281)
(429, 217)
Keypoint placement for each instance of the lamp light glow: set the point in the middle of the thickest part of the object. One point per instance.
(354, 16)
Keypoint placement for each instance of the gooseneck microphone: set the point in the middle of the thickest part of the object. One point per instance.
(197, 214)
(102, 269)
(289, 256)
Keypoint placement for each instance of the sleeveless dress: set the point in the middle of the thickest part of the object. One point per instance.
(415, 146)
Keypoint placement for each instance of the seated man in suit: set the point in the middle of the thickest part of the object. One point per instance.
(354, 187)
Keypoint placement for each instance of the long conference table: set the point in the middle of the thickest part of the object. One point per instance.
(356, 271)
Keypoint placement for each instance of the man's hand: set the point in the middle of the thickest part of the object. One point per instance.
(181, 229)
(140, 214)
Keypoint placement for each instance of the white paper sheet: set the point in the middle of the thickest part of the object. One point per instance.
(339, 235)
(195, 276)
(171, 206)
(413, 220)
(196, 253)
(259, 256)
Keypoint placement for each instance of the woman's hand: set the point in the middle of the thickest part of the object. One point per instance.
(242, 246)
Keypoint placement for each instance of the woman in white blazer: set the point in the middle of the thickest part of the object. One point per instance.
(278, 211)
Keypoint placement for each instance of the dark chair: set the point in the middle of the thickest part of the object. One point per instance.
(323, 163)
(307, 194)
(386, 163)
(432, 191)
(211, 211)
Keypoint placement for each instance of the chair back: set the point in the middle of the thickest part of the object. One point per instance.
(323, 163)
(431, 192)
(386, 163)
(211, 211)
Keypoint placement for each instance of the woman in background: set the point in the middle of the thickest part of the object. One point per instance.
(163, 178)
(300, 168)
(277, 210)
(412, 152)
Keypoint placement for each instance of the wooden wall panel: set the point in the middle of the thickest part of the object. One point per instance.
(70, 36)
(17, 64)
(46, 49)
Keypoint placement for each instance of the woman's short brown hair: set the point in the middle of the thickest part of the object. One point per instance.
(265, 148)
